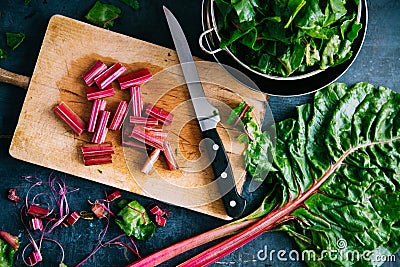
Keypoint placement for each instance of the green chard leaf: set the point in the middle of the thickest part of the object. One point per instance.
(330, 51)
(14, 39)
(132, 3)
(244, 10)
(337, 174)
(3, 54)
(294, 5)
(6, 254)
(134, 221)
(266, 36)
(334, 10)
(103, 15)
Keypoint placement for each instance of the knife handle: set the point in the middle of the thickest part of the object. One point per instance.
(233, 202)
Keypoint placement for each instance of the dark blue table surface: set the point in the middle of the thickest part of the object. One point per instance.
(377, 63)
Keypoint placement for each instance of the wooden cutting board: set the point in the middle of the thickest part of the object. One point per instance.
(69, 48)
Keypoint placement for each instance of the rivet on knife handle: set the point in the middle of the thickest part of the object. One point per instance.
(233, 202)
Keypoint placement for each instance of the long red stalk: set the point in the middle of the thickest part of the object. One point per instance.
(266, 223)
(193, 242)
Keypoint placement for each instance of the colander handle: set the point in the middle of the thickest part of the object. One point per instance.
(201, 42)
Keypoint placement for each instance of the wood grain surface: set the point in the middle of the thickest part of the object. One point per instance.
(69, 48)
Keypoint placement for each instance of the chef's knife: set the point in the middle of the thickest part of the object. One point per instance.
(208, 118)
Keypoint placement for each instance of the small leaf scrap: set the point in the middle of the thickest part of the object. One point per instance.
(3, 54)
(14, 39)
(103, 15)
(134, 221)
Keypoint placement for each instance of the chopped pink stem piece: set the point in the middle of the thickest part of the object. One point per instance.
(140, 135)
(70, 117)
(143, 121)
(98, 105)
(170, 157)
(119, 116)
(156, 210)
(36, 210)
(160, 114)
(36, 224)
(135, 144)
(161, 221)
(148, 165)
(93, 93)
(97, 149)
(97, 160)
(73, 218)
(101, 129)
(156, 132)
(12, 195)
(135, 78)
(99, 210)
(93, 72)
(113, 196)
(35, 257)
(110, 75)
(137, 101)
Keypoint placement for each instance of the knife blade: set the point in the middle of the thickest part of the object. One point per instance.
(208, 118)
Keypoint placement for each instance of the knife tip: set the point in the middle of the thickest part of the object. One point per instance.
(165, 9)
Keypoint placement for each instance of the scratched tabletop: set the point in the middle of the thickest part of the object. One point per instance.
(378, 63)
